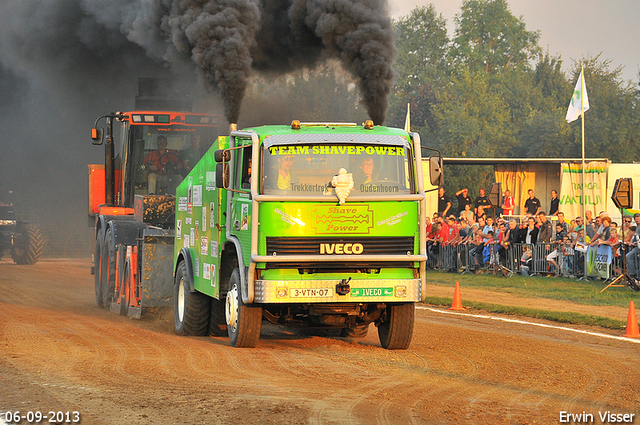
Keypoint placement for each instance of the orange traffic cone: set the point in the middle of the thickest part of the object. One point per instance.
(632, 322)
(457, 299)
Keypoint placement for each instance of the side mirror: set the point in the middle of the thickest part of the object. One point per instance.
(222, 175)
(435, 171)
(222, 155)
(97, 136)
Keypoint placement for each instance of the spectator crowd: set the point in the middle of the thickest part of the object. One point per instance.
(480, 236)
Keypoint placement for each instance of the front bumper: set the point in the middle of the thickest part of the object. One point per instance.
(324, 291)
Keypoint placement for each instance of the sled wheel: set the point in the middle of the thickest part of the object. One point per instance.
(124, 287)
(97, 274)
(108, 270)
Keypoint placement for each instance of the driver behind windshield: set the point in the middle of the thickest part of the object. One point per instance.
(366, 170)
(162, 162)
(285, 178)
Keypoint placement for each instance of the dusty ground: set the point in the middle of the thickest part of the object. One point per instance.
(59, 352)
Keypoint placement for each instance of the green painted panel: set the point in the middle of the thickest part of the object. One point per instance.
(324, 219)
(199, 207)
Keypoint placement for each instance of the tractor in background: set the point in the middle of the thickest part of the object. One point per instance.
(22, 239)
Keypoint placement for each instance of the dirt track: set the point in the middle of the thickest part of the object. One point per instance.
(60, 352)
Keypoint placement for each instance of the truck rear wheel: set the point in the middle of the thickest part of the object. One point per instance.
(217, 320)
(358, 331)
(28, 248)
(243, 322)
(190, 309)
(396, 331)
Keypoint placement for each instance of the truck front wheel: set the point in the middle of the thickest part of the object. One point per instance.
(396, 329)
(190, 309)
(243, 322)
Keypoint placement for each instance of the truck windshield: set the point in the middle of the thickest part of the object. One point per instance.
(308, 169)
(160, 172)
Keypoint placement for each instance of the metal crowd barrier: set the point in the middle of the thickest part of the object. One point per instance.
(570, 263)
(522, 219)
(468, 257)
(448, 257)
(462, 258)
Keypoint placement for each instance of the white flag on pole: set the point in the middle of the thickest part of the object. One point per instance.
(579, 100)
(407, 120)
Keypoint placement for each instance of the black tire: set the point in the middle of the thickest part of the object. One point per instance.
(217, 321)
(396, 331)
(190, 309)
(243, 322)
(108, 270)
(27, 249)
(97, 273)
(358, 331)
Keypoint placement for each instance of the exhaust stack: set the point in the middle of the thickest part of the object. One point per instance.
(233, 127)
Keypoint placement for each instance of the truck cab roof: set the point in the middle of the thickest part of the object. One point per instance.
(325, 128)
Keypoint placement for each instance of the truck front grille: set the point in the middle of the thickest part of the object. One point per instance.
(361, 246)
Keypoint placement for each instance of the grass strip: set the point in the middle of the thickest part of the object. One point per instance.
(581, 292)
(555, 316)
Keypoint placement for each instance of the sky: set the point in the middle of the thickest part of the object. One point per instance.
(569, 28)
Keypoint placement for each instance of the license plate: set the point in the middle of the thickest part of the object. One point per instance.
(311, 292)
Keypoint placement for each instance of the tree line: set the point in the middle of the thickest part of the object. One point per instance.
(491, 91)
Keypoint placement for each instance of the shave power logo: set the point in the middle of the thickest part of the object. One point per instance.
(343, 220)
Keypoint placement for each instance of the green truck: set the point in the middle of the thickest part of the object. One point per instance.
(318, 225)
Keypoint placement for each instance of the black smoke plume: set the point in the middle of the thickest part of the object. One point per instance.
(298, 33)
(63, 63)
(226, 39)
(223, 39)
